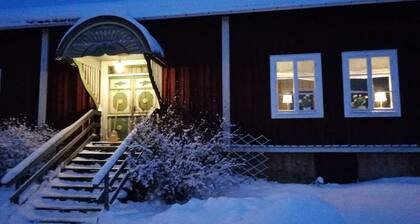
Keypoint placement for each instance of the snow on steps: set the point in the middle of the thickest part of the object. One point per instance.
(70, 196)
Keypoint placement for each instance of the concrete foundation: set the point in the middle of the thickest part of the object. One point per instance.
(305, 168)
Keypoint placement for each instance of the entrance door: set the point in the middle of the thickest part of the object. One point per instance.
(130, 96)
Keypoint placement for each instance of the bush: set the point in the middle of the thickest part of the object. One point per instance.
(178, 160)
(18, 140)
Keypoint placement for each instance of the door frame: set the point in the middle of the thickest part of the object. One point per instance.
(104, 101)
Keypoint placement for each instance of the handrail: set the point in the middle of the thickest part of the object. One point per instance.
(103, 173)
(15, 176)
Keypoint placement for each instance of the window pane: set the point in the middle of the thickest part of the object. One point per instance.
(306, 93)
(380, 65)
(359, 96)
(359, 101)
(285, 88)
(381, 76)
(358, 66)
(306, 68)
(306, 102)
(383, 100)
(383, 93)
(285, 69)
(306, 77)
(285, 85)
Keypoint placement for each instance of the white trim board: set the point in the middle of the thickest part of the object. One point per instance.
(407, 148)
(226, 74)
(43, 78)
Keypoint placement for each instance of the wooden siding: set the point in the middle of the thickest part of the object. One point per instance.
(193, 63)
(19, 61)
(329, 31)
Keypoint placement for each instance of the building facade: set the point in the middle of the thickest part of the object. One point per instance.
(332, 86)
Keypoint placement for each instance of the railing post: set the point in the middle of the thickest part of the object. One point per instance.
(106, 192)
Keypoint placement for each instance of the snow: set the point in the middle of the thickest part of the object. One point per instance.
(383, 201)
(44, 148)
(25, 13)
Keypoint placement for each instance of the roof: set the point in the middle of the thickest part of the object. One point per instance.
(41, 13)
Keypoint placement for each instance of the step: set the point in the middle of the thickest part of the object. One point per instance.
(86, 168)
(53, 216)
(94, 154)
(104, 148)
(71, 197)
(117, 143)
(68, 208)
(80, 176)
(81, 160)
(76, 185)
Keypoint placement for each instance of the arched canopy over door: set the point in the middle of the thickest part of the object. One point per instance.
(108, 35)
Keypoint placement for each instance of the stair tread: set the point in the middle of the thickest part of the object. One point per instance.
(90, 161)
(61, 219)
(92, 169)
(40, 205)
(68, 196)
(88, 152)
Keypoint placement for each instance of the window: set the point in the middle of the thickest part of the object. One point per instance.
(296, 86)
(370, 83)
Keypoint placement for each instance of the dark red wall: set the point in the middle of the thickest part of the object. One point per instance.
(193, 62)
(19, 61)
(329, 31)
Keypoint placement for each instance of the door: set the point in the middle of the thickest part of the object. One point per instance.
(130, 96)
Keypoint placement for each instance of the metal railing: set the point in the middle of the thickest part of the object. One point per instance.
(70, 140)
(108, 193)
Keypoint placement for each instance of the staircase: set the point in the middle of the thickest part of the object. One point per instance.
(70, 197)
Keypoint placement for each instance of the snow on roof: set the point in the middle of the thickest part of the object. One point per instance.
(30, 13)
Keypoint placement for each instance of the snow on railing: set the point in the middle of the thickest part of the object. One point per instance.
(13, 174)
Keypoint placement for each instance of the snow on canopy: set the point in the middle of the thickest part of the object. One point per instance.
(29, 13)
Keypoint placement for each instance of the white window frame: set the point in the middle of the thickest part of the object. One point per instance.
(371, 112)
(318, 112)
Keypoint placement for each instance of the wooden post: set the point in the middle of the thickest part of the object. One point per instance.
(226, 77)
(43, 79)
(106, 192)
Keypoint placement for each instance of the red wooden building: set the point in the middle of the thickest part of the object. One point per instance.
(331, 84)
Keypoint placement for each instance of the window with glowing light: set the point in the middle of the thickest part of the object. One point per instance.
(296, 86)
(370, 84)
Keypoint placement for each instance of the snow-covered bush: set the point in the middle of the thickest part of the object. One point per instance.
(178, 160)
(19, 139)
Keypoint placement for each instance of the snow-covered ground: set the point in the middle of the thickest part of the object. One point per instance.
(383, 201)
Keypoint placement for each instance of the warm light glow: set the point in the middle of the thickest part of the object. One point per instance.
(287, 99)
(380, 97)
(119, 67)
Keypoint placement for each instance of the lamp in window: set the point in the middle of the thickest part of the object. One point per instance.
(287, 99)
(380, 97)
